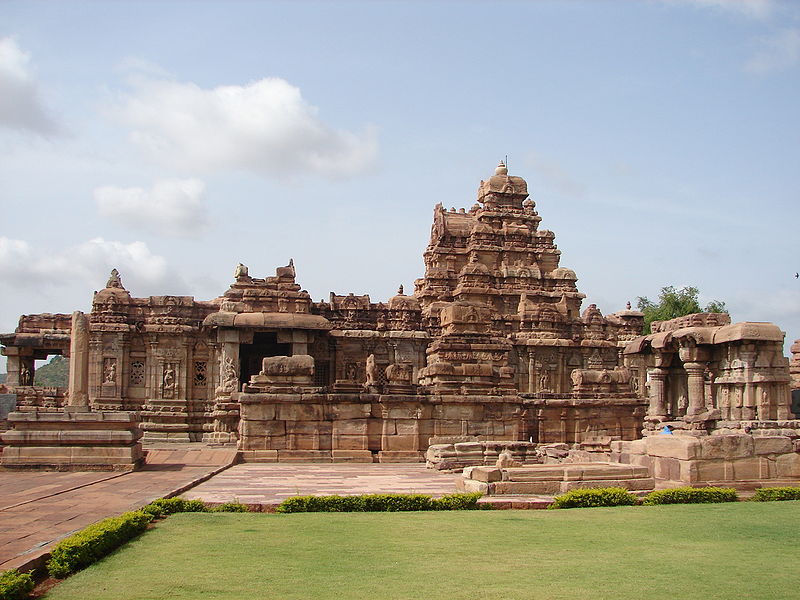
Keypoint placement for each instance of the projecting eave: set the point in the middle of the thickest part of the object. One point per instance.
(267, 320)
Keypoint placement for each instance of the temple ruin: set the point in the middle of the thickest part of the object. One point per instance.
(491, 345)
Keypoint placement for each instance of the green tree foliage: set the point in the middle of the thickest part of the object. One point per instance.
(674, 303)
(55, 373)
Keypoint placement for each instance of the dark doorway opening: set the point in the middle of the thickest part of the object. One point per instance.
(250, 355)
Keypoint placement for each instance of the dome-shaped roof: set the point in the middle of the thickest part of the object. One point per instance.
(564, 273)
(403, 302)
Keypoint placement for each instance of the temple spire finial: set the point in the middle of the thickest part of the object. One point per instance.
(501, 169)
(114, 280)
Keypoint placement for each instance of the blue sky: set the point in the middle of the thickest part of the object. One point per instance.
(172, 140)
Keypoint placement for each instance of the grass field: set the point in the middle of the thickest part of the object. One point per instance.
(738, 550)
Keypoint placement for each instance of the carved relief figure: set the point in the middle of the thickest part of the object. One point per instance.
(168, 381)
(372, 372)
(25, 377)
(544, 381)
(577, 377)
(110, 371)
(230, 378)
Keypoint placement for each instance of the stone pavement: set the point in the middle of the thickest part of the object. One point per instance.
(269, 484)
(40, 508)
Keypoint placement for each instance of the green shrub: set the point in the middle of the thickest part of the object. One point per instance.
(15, 585)
(690, 495)
(95, 541)
(592, 497)
(231, 507)
(776, 493)
(378, 503)
(169, 506)
(462, 501)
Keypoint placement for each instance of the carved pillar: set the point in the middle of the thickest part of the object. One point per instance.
(657, 377)
(749, 397)
(531, 371)
(79, 360)
(695, 387)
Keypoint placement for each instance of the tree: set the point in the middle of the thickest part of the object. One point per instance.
(674, 303)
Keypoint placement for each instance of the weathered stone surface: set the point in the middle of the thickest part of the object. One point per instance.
(487, 474)
(681, 447)
(788, 465)
(772, 445)
(726, 446)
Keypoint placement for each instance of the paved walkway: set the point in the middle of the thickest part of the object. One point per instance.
(269, 484)
(39, 508)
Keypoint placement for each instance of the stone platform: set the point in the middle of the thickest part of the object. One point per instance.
(75, 439)
(743, 461)
(552, 479)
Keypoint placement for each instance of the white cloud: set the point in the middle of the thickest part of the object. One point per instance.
(171, 207)
(86, 266)
(779, 51)
(20, 102)
(265, 126)
(757, 9)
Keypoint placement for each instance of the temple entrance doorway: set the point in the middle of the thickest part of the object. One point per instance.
(265, 343)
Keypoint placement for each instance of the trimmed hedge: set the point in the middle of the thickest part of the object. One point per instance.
(15, 585)
(776, 493)
(594, 497)
(169, 506)
(230, 507)
(94, 542)
(690, 495)
(379, 503)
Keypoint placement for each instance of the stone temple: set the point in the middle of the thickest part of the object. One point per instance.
(492, 346)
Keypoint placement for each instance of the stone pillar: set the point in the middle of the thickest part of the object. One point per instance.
(79, 361)
(531, 371)
(657, 377)
(12, 366)
(696, 387)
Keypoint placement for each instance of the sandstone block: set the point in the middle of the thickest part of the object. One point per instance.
(788, 465)
(351, 456)
(401, 456)
(402, 442)
(351, 426)
(299, 412)
(772, 445)
(258, 412)
(726, 446)
(487, 474)
(309, 455)
(682, 447)
(712, 470)
(349, 442)
(470, 485)
(527, 487)
(259, 455)
(667, 469)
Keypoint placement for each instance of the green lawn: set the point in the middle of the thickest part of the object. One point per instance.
(738, 550)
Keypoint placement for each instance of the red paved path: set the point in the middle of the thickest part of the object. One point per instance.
(272, 483)
(40, 508)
